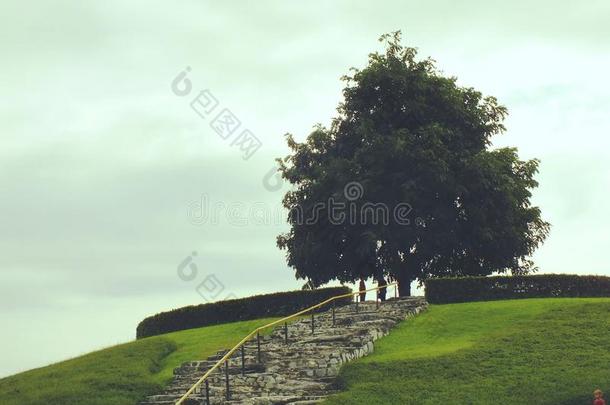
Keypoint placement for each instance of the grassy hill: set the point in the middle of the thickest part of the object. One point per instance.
(120, 375)
(535, 351)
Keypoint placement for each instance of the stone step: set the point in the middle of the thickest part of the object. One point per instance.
(299, 372)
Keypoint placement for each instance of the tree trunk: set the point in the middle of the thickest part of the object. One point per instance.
(404, 285)
(404, 289)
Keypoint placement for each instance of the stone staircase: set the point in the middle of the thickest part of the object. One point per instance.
(300, 371)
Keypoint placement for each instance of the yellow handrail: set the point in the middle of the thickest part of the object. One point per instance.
(260, 328)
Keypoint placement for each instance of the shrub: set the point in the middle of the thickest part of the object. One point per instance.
(241, 309)
(464, 289)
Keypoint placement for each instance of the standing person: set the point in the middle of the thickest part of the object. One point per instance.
(382, 291)
(362, 289)
(598, 398)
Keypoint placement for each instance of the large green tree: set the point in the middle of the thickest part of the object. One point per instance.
(409, 141)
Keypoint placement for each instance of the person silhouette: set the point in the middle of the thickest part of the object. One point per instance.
(382, 291)
(362, 289)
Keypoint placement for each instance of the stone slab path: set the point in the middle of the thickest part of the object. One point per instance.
(300, 371)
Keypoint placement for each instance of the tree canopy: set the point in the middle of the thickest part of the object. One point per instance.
(405, 182)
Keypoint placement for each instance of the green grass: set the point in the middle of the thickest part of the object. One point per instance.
(536, 351)
(540, 351)
(123, 374)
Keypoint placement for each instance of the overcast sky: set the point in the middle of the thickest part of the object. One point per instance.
(100, 161)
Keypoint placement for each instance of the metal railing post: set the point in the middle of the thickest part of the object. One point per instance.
(357, 305)
(228, 394)
(258, 346)
(333, 314)
(243, 361)
(377, 300)
(207, 392)
(286, 332)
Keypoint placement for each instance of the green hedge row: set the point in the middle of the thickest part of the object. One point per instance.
(241, 309)
(464, 289)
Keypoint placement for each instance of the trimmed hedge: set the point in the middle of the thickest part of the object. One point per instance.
(241, 309)
(464, 289)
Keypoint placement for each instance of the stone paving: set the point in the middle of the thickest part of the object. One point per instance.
(300, 371)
